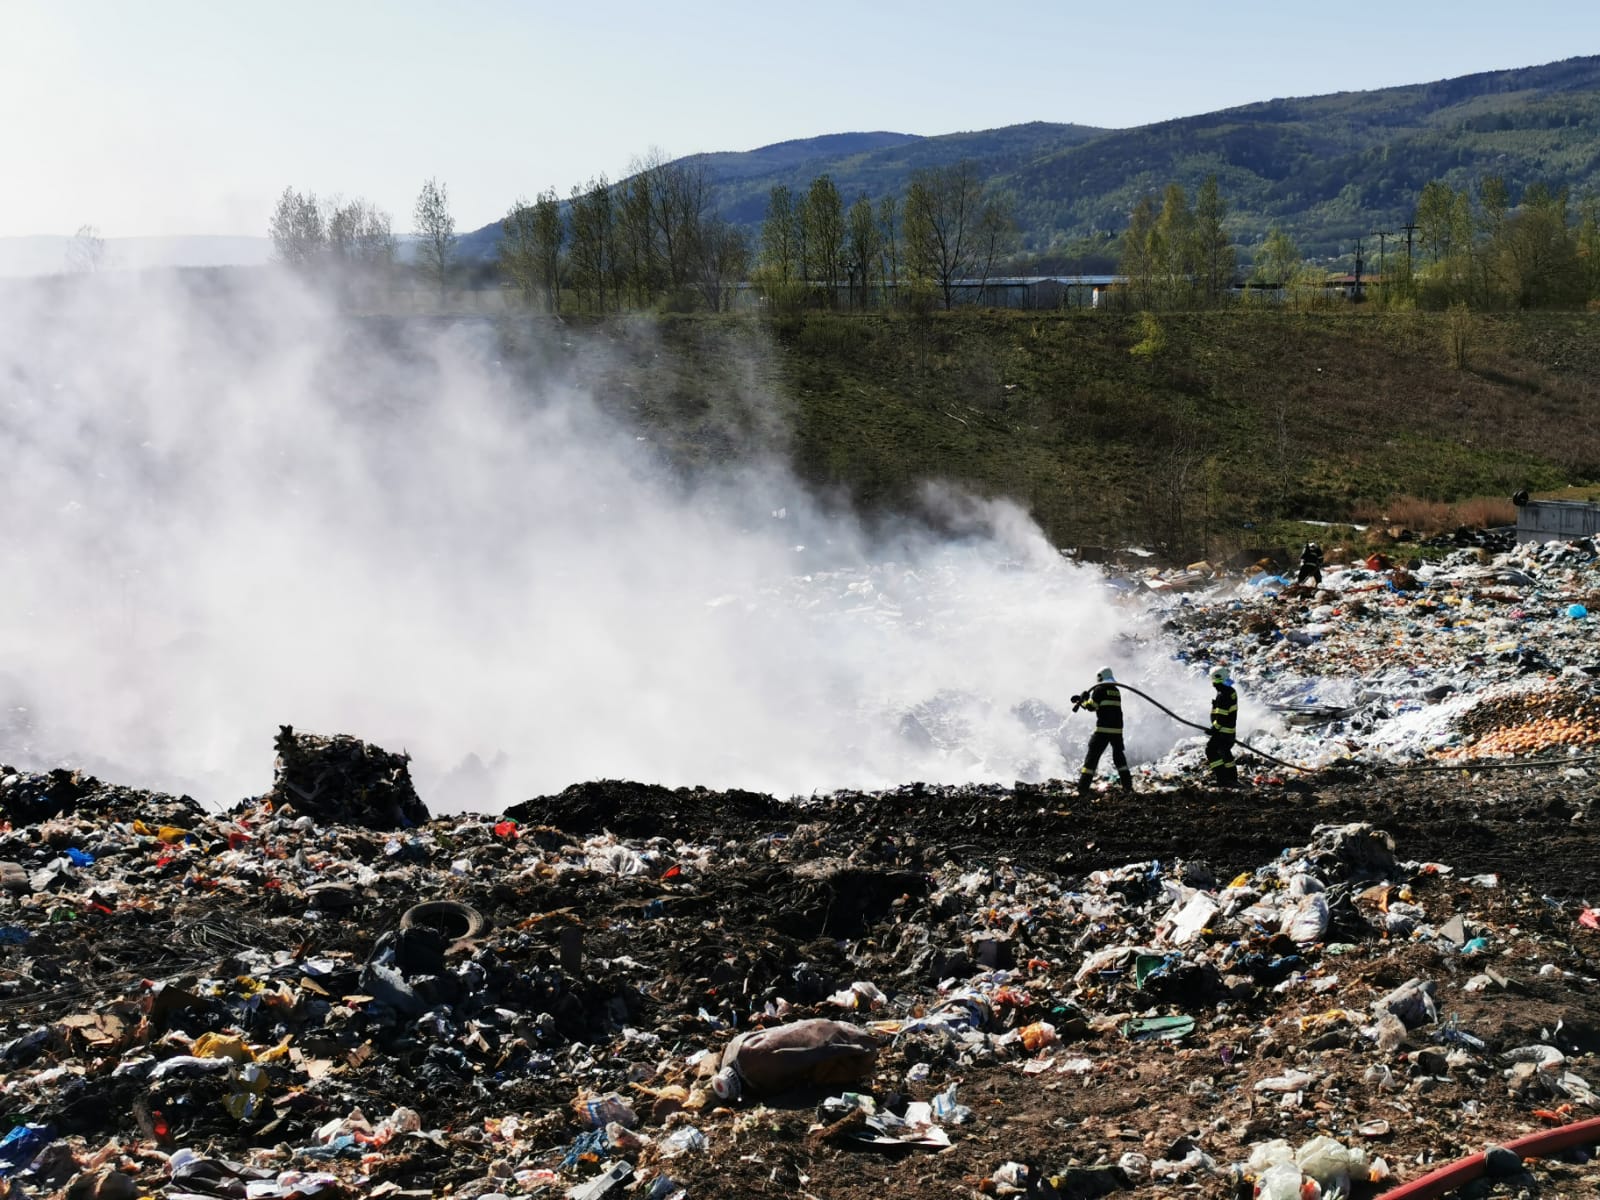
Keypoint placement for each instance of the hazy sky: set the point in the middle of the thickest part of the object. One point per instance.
(190, 116)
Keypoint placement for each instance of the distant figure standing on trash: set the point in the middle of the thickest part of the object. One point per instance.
(1310, 564)
(1104, 700)
(1224, 729)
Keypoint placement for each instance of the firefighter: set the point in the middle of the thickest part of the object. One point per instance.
(1104, 700)
(1310, 564)
(1224, 728)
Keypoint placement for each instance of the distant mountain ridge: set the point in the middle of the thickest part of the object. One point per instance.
(1327, 169)
(800, 151)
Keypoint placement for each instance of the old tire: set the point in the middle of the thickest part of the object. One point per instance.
(456, 921)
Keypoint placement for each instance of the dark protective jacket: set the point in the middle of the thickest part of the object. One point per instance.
(1105, 701)
(1311, 556)
(1225, 710)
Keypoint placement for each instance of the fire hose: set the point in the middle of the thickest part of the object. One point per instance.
(1528, 763)
(1128, 687)
(1464, 1170)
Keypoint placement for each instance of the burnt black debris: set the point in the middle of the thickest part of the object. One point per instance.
(1067, 996)
(342, 778)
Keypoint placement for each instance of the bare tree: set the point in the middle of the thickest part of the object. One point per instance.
(359, 234)
(298, 236)
(864, 244)
(823, 216)
(723, 260)
(636, 237)
(1215, 257)
(1138, 260)
(518, 253)
(778, 269)
(777, 237)
(997, 236)
(549, 233)
(358, 248)
(339, 224)
(678, 200)
(943, 217)
(1173, 247)
(436, 229)
(87, 253)
(889, 229)
(594, 241)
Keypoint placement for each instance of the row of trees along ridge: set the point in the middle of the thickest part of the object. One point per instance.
(655, 240)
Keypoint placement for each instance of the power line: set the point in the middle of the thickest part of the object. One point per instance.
(1382, 235)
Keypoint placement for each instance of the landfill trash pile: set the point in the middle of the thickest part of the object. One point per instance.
(342, 778)
(626, 990)
(1390, 661)
(1474, 657)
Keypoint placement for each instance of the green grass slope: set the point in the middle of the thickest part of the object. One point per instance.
(1224, 423)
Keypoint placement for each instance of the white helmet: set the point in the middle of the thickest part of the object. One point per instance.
(1105, 675)
(1219, 674)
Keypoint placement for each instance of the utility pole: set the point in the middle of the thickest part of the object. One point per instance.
(1410, 227)
(1356, 294)
(1382, 235)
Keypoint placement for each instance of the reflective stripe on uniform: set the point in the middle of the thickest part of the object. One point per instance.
(1225, 711)
(1108, 705)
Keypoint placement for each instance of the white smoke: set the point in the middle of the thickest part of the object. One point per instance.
(232, 508)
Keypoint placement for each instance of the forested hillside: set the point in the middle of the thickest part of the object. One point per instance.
(1323, 169)
(1333, 168)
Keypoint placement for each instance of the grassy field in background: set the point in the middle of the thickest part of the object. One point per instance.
(1198, 433)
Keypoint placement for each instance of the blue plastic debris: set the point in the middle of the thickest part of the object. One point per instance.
(343, 1146)
(594, 1142)
(22, 1145)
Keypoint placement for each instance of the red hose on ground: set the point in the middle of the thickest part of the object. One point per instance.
(1465, 1170)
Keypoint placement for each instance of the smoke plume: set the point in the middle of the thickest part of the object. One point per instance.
(233, 507)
